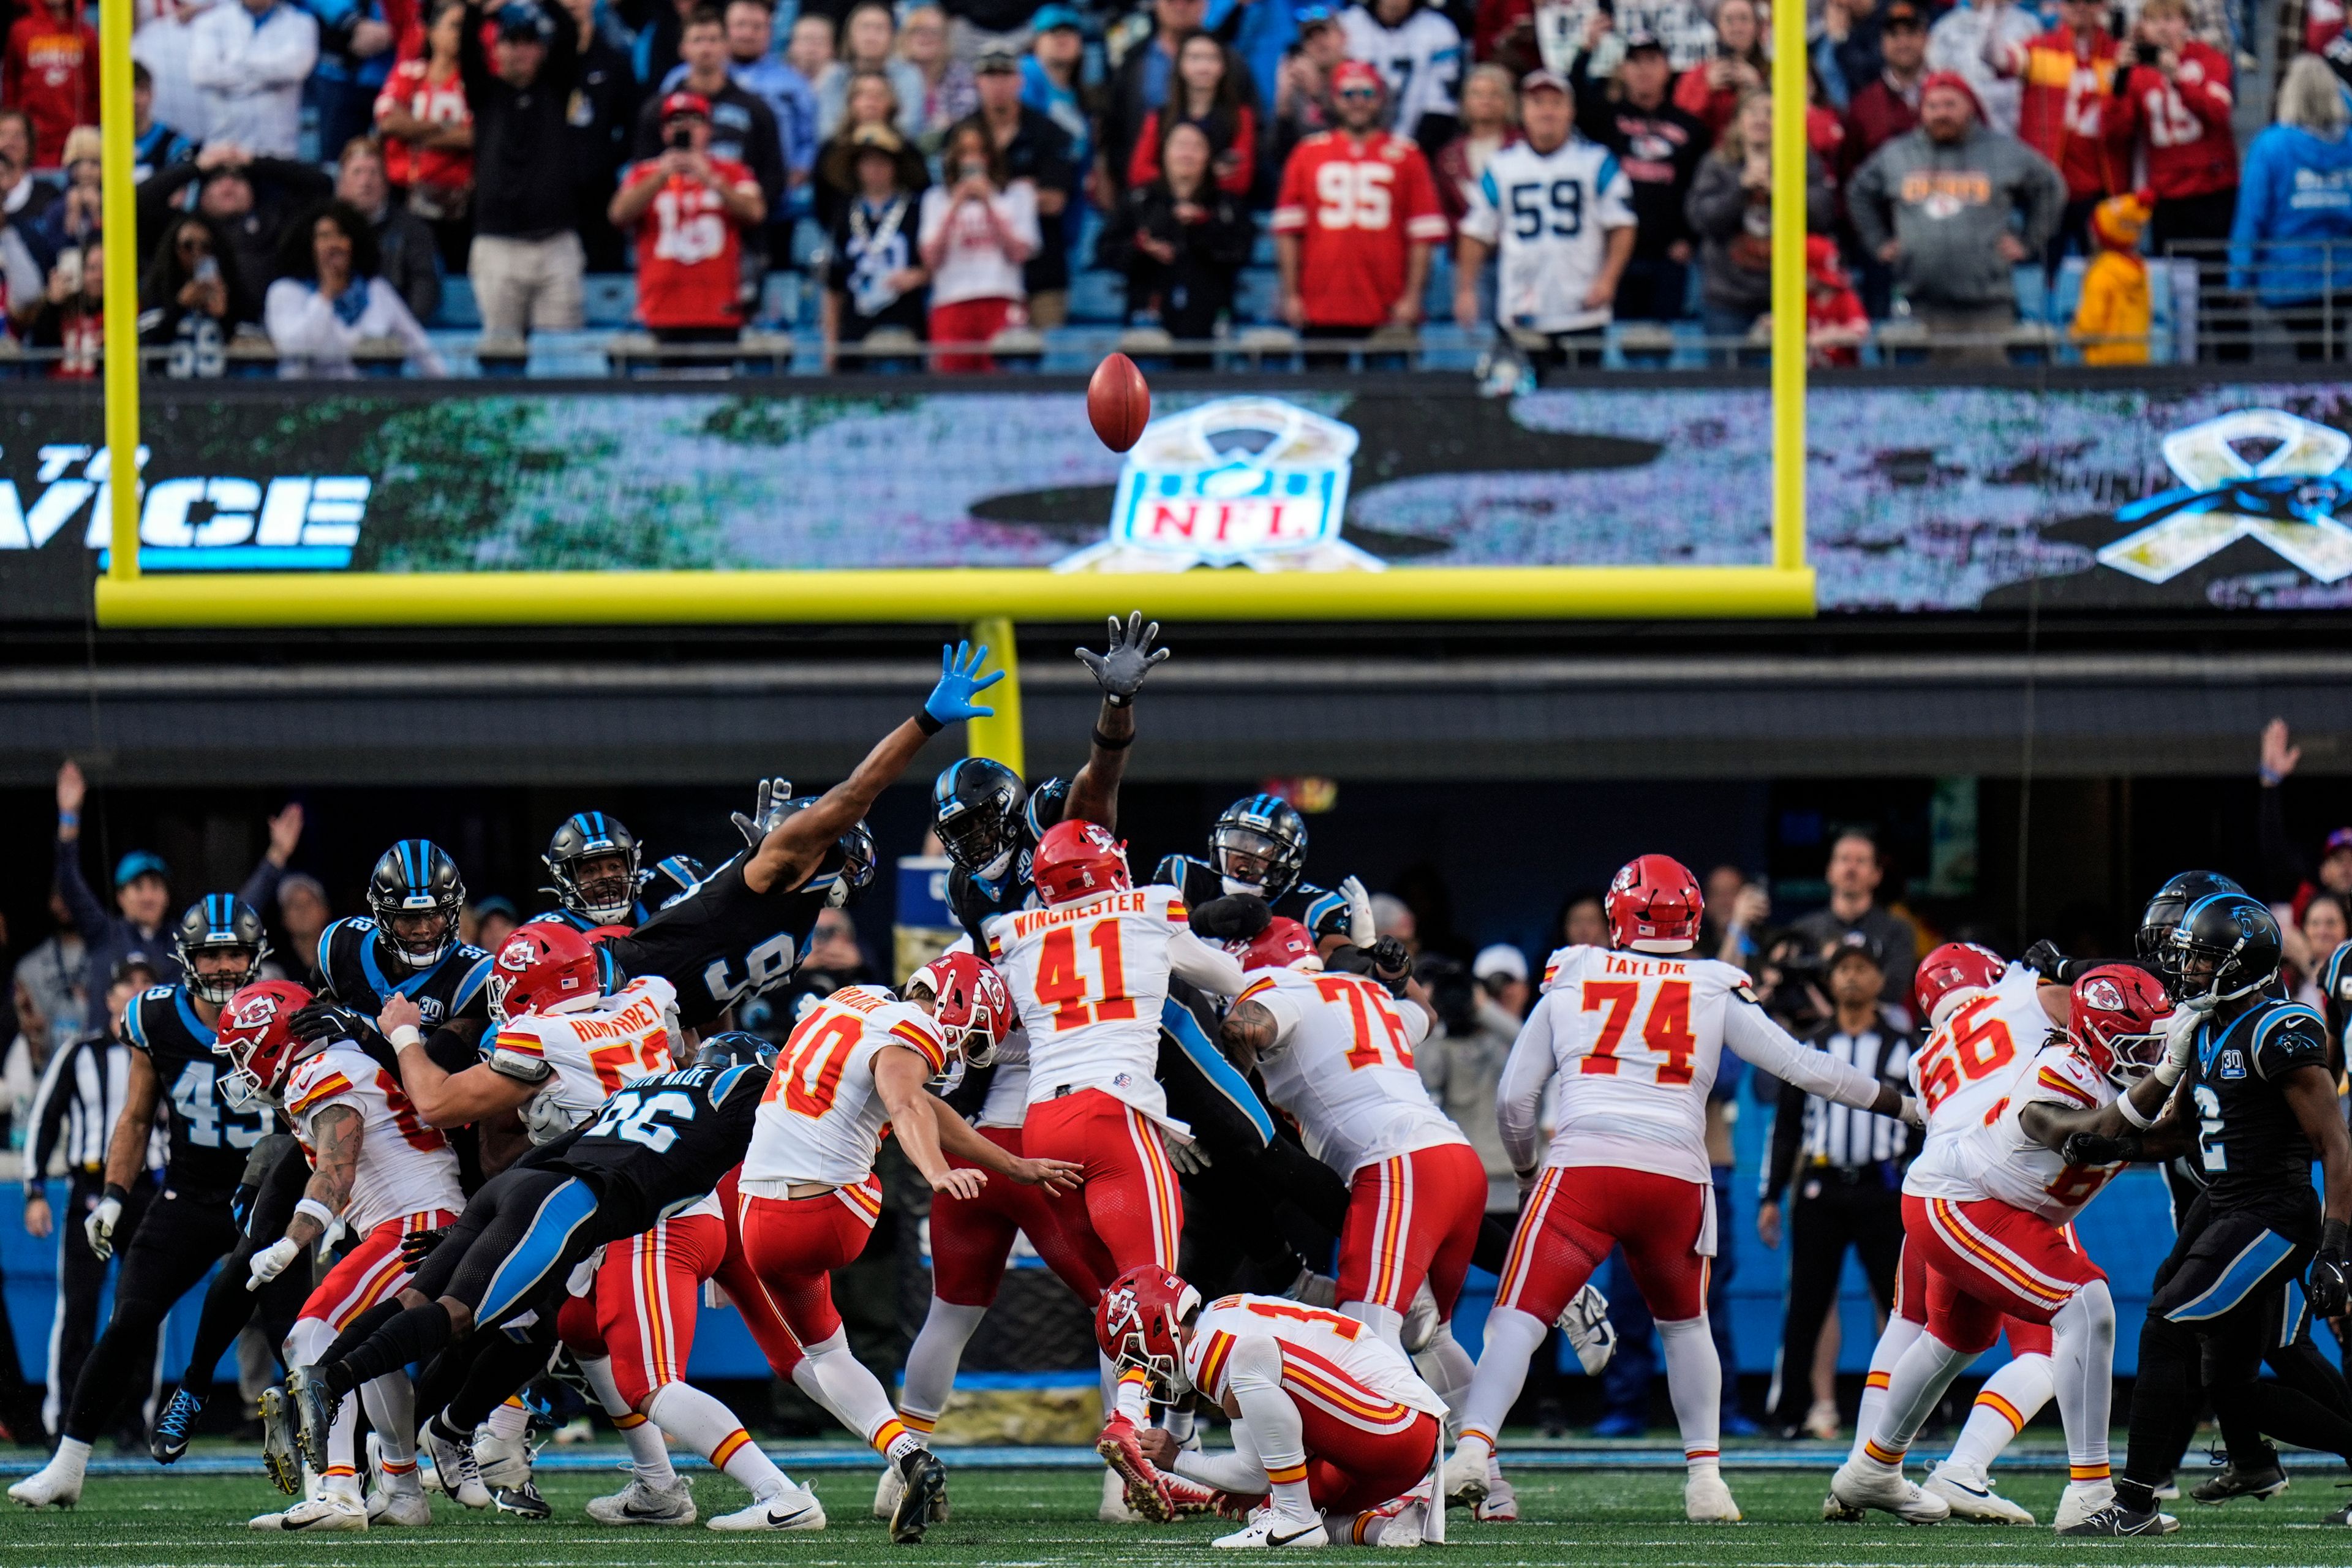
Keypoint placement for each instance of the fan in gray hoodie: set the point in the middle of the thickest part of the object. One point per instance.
(1936, 205)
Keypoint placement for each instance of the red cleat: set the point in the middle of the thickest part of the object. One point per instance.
(1147, 1489)
(1190, 1496)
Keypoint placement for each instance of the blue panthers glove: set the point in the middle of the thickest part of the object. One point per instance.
(960, 682)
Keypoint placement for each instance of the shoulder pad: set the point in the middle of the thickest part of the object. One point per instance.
(1169, 872)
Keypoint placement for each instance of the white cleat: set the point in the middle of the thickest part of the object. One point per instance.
(1707, 1500)
(638, 1503)
(794, 1508)
(889, 1491)
(1593, 1337)
(334, 1511)
(504, 1462)
(1859, 1484)
(51, 1486)
(1420, 1320)
(453, 1469)
(1972, 1497)
(1464, 1479)
(398, 1510)
(1268, 1530)
(1501, 1503)
(2080, 1502)
(1407, 1529)
(1113, 1511)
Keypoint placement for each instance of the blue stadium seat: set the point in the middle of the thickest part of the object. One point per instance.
(610, 299)
(458, 306)
(1098, 296)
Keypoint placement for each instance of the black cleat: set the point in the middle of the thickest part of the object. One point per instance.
(927, 1481)
(2118, 1520)
(170, 1438)
(314, 1409)
(2259, 1484)
(522, 1501)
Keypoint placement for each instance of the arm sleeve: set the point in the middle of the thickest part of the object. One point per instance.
(1788, 1138)
(1254, 1378)
(1241, 1472)
(261, 888)
(90, 917)
(1212, 969)
(1518, 1093)
(1748, 1030)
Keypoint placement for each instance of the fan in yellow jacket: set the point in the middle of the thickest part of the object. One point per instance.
(2111, 320)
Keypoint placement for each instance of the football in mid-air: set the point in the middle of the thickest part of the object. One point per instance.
(1119, 403)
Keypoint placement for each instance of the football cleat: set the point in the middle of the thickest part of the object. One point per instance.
(1147, 1490)
(504, 1462)
(2232, 1482)
(453, 1467)
(1972, 1497)
(792, 1508)
(178, 1422)
(926, 1482)
(1585, 1321)
(2341, 1516)
(1863, 1485)
(888, 1491)
(51, 1486)
(2080, 1501)
(638, 1503)
(1271, 1530)
(280, 1454)
(398, 1510)
(1464, 1479)
(327, 1513)
(1189, 1496)
(522, 1501)
(1836, 1512)
(1707, 1500)
(2116, 1519)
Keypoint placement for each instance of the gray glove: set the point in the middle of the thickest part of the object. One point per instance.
(774, 793)
(1120, 669)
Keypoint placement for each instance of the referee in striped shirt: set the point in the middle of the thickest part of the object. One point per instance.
(1847, 1166)
(72, 1118)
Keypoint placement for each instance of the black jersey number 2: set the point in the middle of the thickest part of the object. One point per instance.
(1563, 198)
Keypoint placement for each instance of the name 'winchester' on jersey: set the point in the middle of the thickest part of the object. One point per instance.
(405, 1167)
(822, 1119)
(209, 1136)
(352, 972)
(720, 941)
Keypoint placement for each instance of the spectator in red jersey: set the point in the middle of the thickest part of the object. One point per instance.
(427, 133)
(976, 234)
(2175, 99)
(1490, 114)
(1741, 66)
(691, 212)
(50, 72)
(2067, 74)
(1206, 93)
(1659, 146)
(1355, 222)
(1835, 323)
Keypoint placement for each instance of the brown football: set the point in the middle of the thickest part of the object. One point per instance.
(1119, 403)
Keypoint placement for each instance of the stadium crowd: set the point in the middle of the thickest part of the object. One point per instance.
(314, 171)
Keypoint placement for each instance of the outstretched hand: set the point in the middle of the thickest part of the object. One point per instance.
(2279, 755)
(1119, 670)
(773, 793)
(950, 701)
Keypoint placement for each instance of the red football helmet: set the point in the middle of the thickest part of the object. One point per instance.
(1654, 906)
(541, 966)
(1283, 944)
(973, 1004)
(253, 1033)
(2115, 1017)
(1076, 861)
(1951, 975)
(1141, 1322)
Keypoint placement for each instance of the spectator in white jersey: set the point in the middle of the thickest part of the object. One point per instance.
(1419, 55)
(1558, 211)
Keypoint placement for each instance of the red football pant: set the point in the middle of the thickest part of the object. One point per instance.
(736, 1277)
(1413, 1217)
(371, 1273)
(646, 1296)
(1350, 1467)
(973, 1237)
(794, 1245)
(1128, 1186)
(2025, 1336)
(1578, 1213)
(1985, 1260)
(968, 322)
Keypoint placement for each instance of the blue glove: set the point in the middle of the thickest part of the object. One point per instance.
(960, 682)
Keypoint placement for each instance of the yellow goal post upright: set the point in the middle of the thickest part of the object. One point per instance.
(990, 601)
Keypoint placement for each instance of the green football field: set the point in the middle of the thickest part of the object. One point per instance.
(1044, 1518)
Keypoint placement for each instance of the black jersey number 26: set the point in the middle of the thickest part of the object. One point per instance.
(651, 1117)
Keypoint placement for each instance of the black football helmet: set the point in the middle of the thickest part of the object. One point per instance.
(1046, 805)
(1259, 846)
(219, 923)
(2154, 941)
(976, 810)
(416, 877)
(610, 899)
(736, 1048)
(2226, 946)
(851, 860)
(673, 877)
